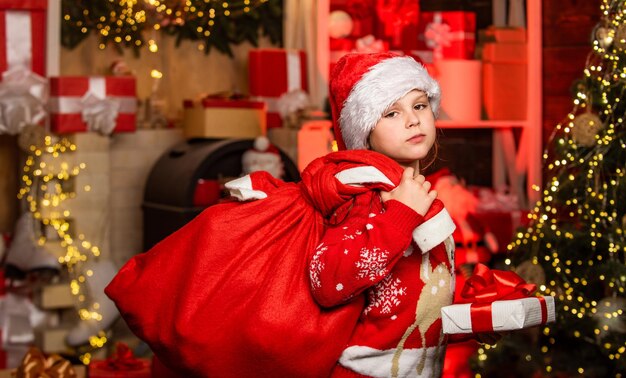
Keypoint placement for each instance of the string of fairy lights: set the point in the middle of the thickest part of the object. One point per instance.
(580, 145)
(211, 22)
(46, 184)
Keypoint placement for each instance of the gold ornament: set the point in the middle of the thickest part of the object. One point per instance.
(604, 37)
(620, 37)
(586, 127)
(31, 135)
(531, 273)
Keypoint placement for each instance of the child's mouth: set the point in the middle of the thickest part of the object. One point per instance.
(416, 138)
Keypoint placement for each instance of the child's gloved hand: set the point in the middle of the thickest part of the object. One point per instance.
(489, 338)
(414, 192)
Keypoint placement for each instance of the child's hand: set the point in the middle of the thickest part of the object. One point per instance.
(412, 191)
(489, 338)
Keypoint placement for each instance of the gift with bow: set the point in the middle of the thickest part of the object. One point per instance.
(450, 35)
(122, 363)
(288, 73)
(35, 364)
(494, 301)
(100, 104)
(23, 90)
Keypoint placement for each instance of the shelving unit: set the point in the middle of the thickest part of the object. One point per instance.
(519, 164)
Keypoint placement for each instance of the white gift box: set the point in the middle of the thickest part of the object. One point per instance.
(505, 315)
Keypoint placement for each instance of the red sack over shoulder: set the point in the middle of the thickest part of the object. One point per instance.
(228, 294)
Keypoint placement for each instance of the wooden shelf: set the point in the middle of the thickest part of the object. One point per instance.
(480, 124)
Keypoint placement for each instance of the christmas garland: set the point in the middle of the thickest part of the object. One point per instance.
(213, 23)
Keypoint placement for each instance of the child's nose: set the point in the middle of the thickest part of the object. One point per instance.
(413, 119)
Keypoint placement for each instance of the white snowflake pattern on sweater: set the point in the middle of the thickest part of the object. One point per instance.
(385, 295)
(316, 266)
(352, 236)
(372, 263)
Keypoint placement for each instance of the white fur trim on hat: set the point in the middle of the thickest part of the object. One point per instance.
(384, 84)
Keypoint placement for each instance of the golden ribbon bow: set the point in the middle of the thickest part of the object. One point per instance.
(36, 365)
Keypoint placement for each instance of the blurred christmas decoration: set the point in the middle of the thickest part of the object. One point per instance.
(215, 24)
(339, 24)
(47, 182)
(263, 157)
(369, 44)
(575, 245)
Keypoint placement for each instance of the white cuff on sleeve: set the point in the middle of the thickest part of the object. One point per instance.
(434, 231)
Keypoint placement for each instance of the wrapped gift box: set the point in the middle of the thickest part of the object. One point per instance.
(121, 364)
(504, 80)
(314, 140)
(34, 363)
(55, 296)
(79, 370)
(103, 369)
(52, 340)
(274, 72)
(450, 35)
(504, 52)
(74, 99)
(23, 35)
(224, 118)
(502, 34)
(505, 315)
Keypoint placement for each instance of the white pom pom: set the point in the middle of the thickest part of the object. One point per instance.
(261, 143)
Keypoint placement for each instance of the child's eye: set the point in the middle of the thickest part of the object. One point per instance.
(420, 106)
(391, 114)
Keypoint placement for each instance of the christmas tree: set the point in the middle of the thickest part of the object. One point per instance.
(574, 248)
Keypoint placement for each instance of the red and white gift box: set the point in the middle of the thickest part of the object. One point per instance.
(273, 73)
(93, 103)
(23, 35)
(449, 35)
(499, 301)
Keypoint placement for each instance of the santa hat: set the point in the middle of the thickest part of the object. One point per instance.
(363, 86)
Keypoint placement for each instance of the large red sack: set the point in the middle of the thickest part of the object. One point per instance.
(228, 294)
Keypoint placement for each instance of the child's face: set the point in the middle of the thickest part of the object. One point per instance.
(406, 132)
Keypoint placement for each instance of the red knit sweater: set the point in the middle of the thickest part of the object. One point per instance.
(403, 263)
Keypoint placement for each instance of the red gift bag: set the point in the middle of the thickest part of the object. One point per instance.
(228, 294)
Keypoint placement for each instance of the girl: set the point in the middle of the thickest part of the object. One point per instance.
(394, 247)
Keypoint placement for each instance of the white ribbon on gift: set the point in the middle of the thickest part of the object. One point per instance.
(438, 35)
(18, 39)
(294, 81)
(98, 110)
(23, 94)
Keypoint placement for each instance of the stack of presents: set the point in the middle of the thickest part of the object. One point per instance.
(469, 57)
